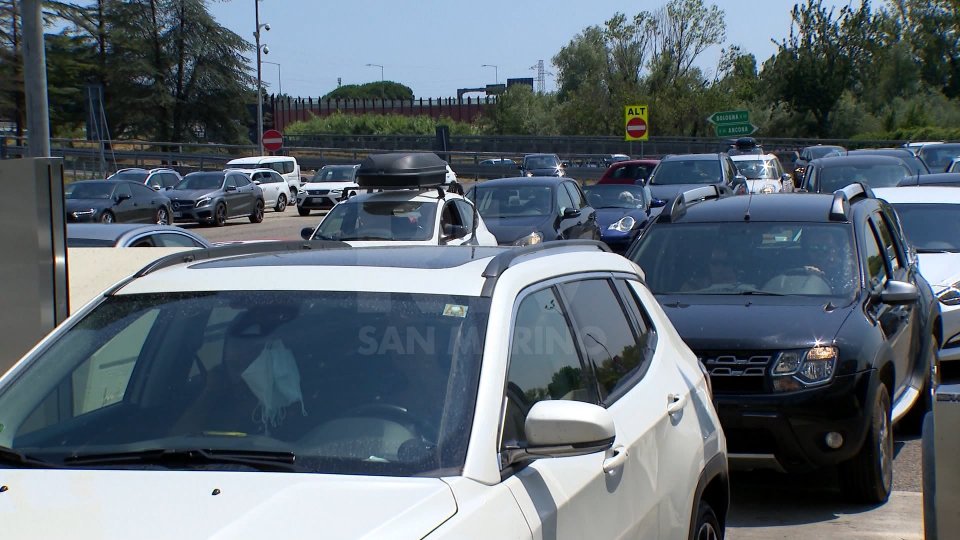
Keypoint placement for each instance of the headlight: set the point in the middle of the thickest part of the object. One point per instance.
(795, 370)
(950, 296)
(767, 189)
(84, 213)
(561, 173)
(203, 202)
(624, 225)
(530, 239)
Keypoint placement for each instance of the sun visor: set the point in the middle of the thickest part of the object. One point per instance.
(407, 170)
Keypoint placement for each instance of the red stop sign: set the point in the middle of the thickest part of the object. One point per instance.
(272, 140)
(636, 128)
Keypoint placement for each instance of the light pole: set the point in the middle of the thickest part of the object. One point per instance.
(382, 90)
(265, 50)
(279, 79)
(496, 76)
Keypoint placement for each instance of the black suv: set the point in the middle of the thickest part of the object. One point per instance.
(678, 173)
(811, 318)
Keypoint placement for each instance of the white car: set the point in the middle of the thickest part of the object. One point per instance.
(276, 191)
(763, 172)
(464, 392)
(287, 166)
(330, 185)
(931, 218)
(404, 216)
(954, 166)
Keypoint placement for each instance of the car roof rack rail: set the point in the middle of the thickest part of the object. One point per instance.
(235, 250)
(501, 262)
(678, 206)
(842, 198)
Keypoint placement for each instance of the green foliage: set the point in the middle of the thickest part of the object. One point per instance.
(373, 90)
(519, 111)
(377, 124)
(12, 104)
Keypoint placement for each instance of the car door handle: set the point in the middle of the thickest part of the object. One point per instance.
(675, 403)
(616, 460)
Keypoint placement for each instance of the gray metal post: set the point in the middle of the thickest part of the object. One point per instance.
(256, 4)
(35, 80)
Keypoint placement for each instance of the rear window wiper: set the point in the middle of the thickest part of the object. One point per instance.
(168, 457)
(9, 456)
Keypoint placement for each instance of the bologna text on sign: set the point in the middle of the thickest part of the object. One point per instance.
(729, 117)
(635, 123)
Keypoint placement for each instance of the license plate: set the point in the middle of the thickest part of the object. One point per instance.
(177, 214)
(309, 200)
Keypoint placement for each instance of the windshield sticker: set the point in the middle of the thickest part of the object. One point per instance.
(455, 310)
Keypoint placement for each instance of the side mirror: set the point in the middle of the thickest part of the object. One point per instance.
(658, 203)
(566, 213)
(122, 197)
(230, 188)
(898, 293)
(451, 231)
(257, 182)
(561, 428)
(306, 233)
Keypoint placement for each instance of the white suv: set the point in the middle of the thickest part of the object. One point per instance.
(474, 393)
(287, 166)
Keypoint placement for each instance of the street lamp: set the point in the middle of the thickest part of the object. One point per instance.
(265, 50)
(279, 79)
(381, 70)
(496, 76)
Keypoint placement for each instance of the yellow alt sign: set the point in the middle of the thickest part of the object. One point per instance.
(635, 123)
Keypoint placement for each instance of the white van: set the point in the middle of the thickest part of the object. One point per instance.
(287, 166)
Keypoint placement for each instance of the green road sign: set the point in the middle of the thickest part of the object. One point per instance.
(729, 117)
(735, 130)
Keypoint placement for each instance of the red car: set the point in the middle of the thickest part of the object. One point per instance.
(634, 171)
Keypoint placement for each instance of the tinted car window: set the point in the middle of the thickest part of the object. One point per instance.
(544, 362)
(616, 196)
(231, 181)
(169, 180)
(887, 242)
(563, 198)
(335, 174)
(876, 263)
(608, 339)
(932, 228)
(141, 191)
(938, 156)
(513, 201)
(124, 189)
(693, 171)
(633, 172)
(211, 180)
(874, 175)
(575, 195)
(379, 220)
(466, 213)
(241, 180)
(175, 240)
(276, 178)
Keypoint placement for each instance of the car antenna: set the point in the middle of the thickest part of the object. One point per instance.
(746, 215)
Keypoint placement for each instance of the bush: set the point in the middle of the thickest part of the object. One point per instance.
(377, 124)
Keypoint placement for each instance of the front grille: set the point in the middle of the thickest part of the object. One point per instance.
(737, 371)
(318, 191)
(182, 205)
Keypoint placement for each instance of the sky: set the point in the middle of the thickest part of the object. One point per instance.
(438, 46)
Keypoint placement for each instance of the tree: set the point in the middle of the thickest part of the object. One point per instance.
(12, 100)
(521, 111)
(681, 31)
(932, 28)
(372, 90)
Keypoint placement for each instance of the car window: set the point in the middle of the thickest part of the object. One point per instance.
(141, 191)
(608, 340)
(231, 181)
(688, 171)
(175, 240)
(575, 195)
(513, 201)
(276, 178)
(876, 262)
(729, 168)
(886, 239)
(155, 181)
(544, 362)
(169, 180)
(287, 167)
(563, 199)
(466, 213)
(449, 215)
(123, 189)
(241, 180)
(811, 181)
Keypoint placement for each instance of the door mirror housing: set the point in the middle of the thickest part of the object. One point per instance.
(257, 182)
(306, 233)
(122, 197)
(898, 293)
(561, 428)
(452, 232)
(566, 213)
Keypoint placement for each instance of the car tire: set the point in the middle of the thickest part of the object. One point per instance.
(162, 217)
(281, 203)
(107, 217)
(219, 218)
(867, 478)
(257, 215)
(303, 211)
(707, 526)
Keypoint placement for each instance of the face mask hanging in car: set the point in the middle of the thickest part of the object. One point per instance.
(275, 380)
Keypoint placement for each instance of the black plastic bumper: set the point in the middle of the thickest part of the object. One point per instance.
(793, 426)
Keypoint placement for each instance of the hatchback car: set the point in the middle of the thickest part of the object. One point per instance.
(811, 317)
(763, 173)
(479, 393)
(826, 175)
(276, 191)
(524, 211)
(634, 171)
(939, 156)
(215, 197)
(330, 185)
(542, 165)
(406, 216)
(916, 165)
(115, 201)
(811, 153)
(681, 172)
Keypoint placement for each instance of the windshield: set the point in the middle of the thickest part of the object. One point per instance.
(931, 228)
(874, 175)
(690, 171)
(815, 259)
(391, 393)
(247, 166)
(758, 169)
(939, 156)
(614, 196)
(817, 152)
(133, 176)
(201, 181)
(335, 174)
(379, 220)
(89, 190)
(633, 172)
(513, 201)
(541, 162)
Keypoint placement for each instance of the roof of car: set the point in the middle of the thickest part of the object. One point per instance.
(107, 181)
(253, 160)
(809, 207)
(113, 232)
(355, 166)
(691, 157)
(401, 195)
(752, 157)
(858, 159)
(919, 195)
(538, 154)
(249, 172)
(524, 181)
(882, 152)
(628, 162)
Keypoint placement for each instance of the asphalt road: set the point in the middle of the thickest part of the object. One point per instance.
(766, 505)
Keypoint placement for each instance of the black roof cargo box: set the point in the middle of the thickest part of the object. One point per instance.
(406, 170)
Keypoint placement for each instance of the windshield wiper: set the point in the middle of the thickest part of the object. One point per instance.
(9, 456)
(259, 459)
(936, 250)
(759, 293)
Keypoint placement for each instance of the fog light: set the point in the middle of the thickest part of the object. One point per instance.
(834, 440)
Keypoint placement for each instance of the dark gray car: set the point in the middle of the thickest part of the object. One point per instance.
(109, 201)
(678, 173)
(215, 197)
(542, 165)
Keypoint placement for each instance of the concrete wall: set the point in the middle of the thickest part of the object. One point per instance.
(94, 270)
